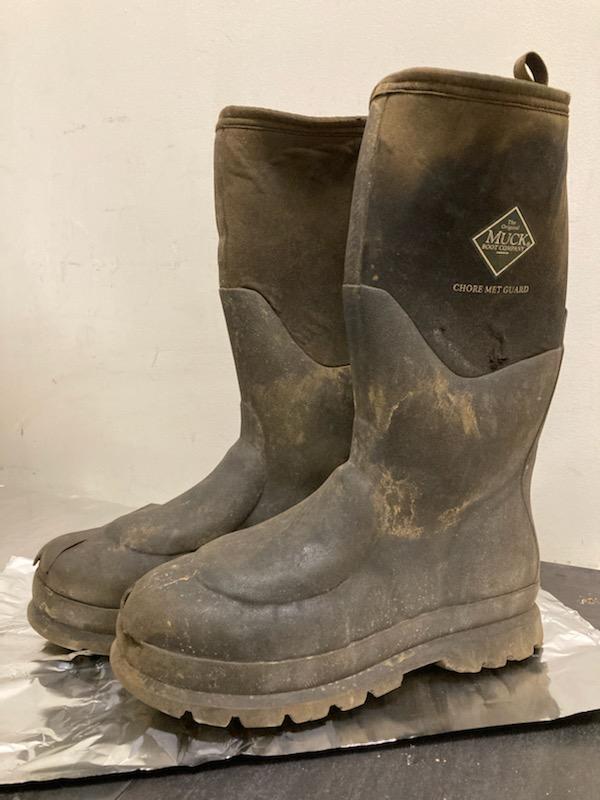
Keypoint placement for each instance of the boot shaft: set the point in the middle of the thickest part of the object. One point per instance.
(460, 183)
(464, 216)
(283, 188)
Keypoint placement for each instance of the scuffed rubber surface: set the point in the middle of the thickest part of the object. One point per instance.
(283, 187)
(296, 428)
(403, 546)
(65, 716)
(468, 650)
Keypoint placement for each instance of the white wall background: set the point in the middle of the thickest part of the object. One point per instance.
(117, 381)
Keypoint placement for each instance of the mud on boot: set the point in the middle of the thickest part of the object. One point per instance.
(421, 548)
(283, 187)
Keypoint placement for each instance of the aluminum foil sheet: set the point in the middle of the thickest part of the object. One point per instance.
(63, 715)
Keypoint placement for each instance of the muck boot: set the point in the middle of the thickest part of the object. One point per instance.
(283, 194)
(421, 548)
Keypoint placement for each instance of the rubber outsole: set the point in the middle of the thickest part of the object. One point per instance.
(487, 646)
(59, 619)
(67, 636)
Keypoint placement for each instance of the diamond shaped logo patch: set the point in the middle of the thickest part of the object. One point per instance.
(504, 241)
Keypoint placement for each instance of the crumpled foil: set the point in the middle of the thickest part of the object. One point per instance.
(64, 715)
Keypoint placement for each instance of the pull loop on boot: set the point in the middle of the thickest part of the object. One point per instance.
(531, 67)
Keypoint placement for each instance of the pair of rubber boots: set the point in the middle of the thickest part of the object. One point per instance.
(394, 291)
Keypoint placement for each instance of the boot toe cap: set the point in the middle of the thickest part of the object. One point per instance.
(173, 610)
(92, 568)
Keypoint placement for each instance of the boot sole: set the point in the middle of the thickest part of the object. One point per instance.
(489, 646)
(53, 616)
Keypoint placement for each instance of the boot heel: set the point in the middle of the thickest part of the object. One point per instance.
(491, 646)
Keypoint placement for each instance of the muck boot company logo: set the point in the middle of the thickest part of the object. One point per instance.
(504, 241)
